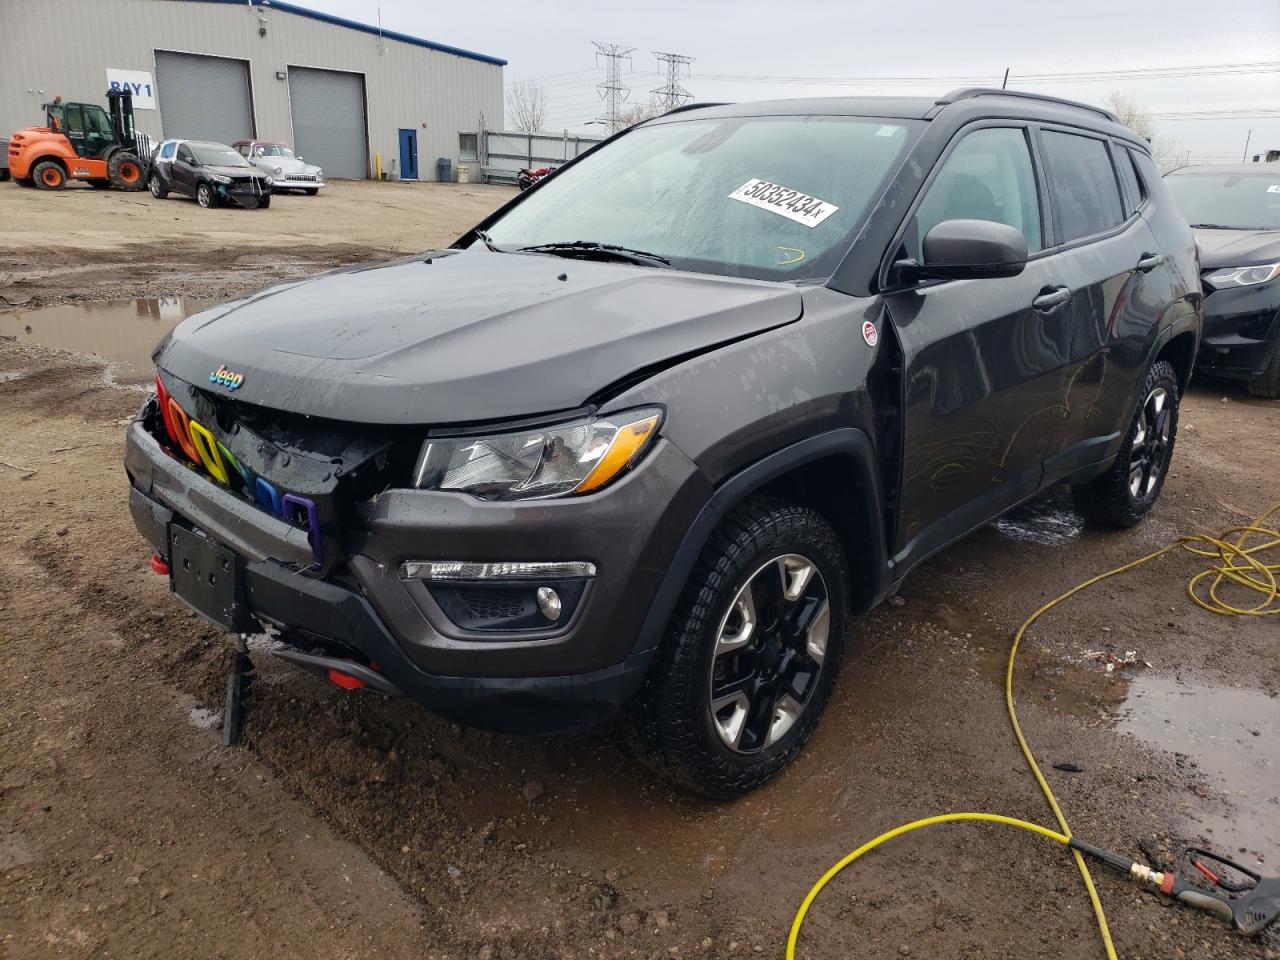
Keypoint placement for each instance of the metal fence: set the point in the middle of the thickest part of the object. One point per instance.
(504, 152)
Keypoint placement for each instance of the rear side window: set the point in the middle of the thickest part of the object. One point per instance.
(1133, 193)
(988, 176)
(1083, 185)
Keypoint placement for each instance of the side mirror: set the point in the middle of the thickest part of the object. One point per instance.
(972, 250)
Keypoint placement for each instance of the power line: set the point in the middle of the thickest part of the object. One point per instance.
(613, 91)
(672, 94)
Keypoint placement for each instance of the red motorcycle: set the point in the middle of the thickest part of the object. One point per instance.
(526, 178)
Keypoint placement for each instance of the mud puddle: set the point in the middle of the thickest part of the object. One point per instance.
(122, 332)
(1232, 737)
(1047, 521)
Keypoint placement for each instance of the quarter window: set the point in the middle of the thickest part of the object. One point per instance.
(1083, 185)
(988, 176)
(1128, 178)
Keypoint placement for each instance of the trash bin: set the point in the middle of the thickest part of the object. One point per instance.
(464, 173)
(444, 170)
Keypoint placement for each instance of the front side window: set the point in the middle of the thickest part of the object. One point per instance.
(97, 121)
(167, 151)
(776, 197)
(1230, 201)
(184, 154)
(988, 176)
(1086, 196)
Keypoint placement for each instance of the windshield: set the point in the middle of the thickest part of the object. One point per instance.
(272, 150)
(1239, 201)
(214, 156)
(767, 197)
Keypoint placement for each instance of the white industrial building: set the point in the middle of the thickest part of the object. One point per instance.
(346, 95)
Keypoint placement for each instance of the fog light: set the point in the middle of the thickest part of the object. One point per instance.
(549, 603)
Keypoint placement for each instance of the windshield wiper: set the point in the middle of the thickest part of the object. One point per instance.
(483, 237)
(610, 250)
(1215, 226)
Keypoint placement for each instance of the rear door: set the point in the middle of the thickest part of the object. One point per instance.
(1107, 252)
(981, 357)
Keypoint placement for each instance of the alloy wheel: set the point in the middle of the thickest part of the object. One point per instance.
(155, 186)
(769, 652)
(1148, 456)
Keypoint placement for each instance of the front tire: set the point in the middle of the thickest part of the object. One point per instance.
(205, 196)
(311, 191)
(750, 655)
(1129, 489)
(157, 187)
(264, 202)
(124, 170)
(1267, 383)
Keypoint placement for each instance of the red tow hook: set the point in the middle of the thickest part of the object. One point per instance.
(346, 681)
(158, 565)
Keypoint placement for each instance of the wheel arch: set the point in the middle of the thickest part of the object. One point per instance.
(1180, 351)
(833, 473)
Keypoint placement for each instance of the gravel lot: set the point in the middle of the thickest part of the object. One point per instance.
(351, 825)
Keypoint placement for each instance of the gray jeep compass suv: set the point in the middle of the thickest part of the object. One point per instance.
(646, 438)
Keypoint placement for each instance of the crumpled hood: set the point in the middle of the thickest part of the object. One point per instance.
(465, 336)
(1238, 248)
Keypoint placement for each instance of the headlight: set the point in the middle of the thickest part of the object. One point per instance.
(1243, 276)
(574, 457)
(319, 172)
(219, 178)
(268, 181)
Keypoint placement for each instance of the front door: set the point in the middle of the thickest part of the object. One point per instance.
(408, 154)
(980, 378)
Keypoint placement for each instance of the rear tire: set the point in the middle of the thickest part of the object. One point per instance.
(1129, 489)
(1267, 383)
(157, 187)
(49, 175)
(746, 668)
(125, 172)
(205, 196)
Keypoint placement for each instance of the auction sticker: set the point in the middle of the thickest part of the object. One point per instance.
(784, 201)
(870, 333)
(1274, 188)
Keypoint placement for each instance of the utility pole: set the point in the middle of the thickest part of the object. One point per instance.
(1245, 157)
(671, 94)
(613, 91)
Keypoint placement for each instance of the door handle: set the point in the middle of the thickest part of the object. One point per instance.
(1050, 298)
(1149, 261)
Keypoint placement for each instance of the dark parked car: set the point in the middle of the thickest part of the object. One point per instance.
(646, 437)
(1235, 213)
(210, 173)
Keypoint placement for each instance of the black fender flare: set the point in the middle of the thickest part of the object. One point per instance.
(849, 441)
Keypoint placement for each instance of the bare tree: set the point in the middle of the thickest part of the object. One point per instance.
(1134, 115)
(638, 113)
(527, 105)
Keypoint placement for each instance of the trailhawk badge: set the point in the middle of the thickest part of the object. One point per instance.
(226, 378)
(870, 333)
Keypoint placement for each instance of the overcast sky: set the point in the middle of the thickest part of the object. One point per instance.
(947, 43)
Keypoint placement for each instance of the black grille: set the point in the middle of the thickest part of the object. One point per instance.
(498, 604)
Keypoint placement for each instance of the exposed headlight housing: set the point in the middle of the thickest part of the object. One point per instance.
(566, 458)
(1243, 276)
(219, 178)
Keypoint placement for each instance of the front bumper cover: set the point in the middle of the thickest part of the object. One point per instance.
(1240, 328)
(531, 683)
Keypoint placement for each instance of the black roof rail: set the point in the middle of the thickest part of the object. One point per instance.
(694, 105)
(970, 93)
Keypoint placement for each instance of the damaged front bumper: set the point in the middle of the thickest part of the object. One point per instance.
(1241, 328)
(401, 636)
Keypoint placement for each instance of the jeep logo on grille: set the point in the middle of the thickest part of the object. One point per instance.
(226, 378)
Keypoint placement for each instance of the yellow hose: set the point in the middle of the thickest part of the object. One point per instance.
(1238, 562)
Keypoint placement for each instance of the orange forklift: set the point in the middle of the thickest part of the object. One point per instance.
(81, 141)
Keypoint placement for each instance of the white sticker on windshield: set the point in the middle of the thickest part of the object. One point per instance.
(784, 201)
(1274, 188)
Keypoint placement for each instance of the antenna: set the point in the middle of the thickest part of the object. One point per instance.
(613, 91)
(672, 94)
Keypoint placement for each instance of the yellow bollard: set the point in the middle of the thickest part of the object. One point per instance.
(377, 165)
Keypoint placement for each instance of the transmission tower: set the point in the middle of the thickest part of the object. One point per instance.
(613, 91)
(672, 94)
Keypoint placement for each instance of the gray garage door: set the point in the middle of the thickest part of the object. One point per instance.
(328, 120)
(203, 98)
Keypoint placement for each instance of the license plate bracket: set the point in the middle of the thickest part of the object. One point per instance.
(208, 578)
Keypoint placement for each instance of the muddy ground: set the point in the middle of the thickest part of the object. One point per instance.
(349, 825)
